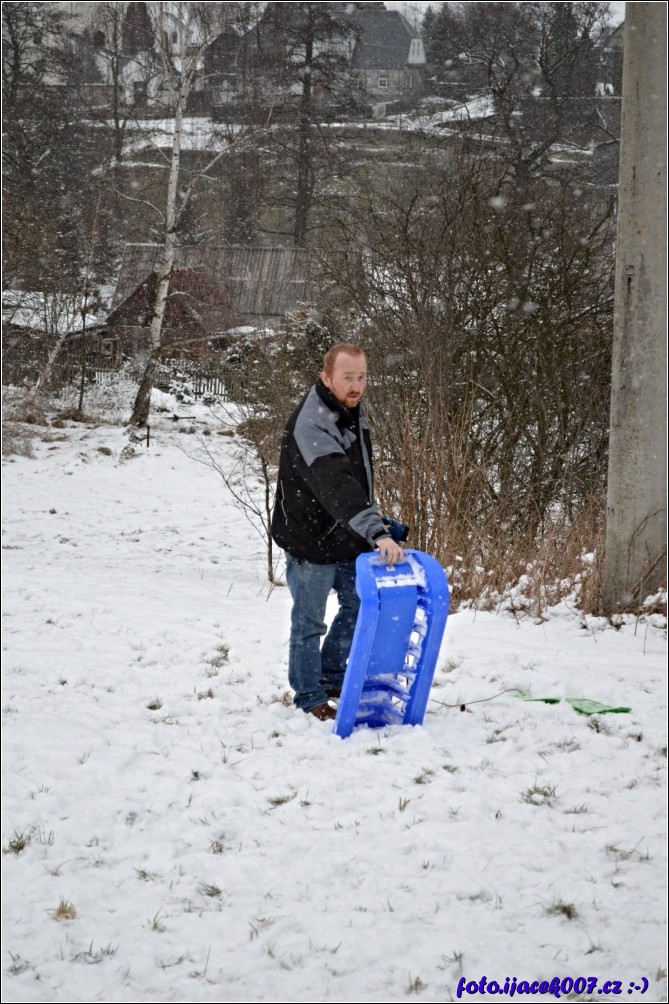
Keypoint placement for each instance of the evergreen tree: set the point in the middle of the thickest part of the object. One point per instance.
(49, 155)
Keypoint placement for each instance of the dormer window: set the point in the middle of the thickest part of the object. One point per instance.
(416, 52)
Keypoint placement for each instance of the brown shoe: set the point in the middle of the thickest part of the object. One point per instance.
(323, 712)
(333, 692)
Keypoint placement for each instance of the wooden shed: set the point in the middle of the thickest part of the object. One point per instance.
(258, 285)
(197, 313)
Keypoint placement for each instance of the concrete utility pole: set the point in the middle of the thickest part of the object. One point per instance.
(636, 524)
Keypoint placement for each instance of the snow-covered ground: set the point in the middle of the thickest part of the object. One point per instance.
(200, 134)
(174, 830)
(197, 133)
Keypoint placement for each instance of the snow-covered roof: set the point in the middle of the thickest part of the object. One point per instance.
(53, 313)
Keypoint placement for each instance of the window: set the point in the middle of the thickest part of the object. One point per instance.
(139, 93)
(416, 53)
(383, 79)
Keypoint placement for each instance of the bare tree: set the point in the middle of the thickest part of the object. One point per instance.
(274, 375)
(301, 54)
(487, 320)
(182, 32)
(537, 62)
(83, 302)
(124, 52)
(250, 479)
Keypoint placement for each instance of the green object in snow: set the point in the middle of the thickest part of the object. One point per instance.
(581, 704)
(525, 695)
(587, 707)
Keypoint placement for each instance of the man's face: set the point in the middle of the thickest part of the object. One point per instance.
(348, 378)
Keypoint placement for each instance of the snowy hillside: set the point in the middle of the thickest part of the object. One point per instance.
(175, 831)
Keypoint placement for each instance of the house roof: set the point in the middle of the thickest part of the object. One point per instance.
(615, 37)
(195, 303)
(258, 282)
(384, 39)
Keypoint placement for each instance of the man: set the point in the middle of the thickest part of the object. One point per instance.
(324, 517)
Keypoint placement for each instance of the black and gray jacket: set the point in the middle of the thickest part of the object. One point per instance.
(324, 510)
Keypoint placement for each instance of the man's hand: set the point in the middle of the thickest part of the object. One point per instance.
(391, 553)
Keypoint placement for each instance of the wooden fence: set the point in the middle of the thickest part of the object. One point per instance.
(188, 379)
(202, 382)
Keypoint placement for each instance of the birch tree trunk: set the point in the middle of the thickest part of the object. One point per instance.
(45, 376)
(181, 80)
(142, 405)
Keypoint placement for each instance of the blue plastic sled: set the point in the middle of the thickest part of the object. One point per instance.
(403, 611)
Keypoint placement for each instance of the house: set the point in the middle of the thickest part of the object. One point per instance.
(374, 50)
(213, 290)
(387, 57)
(197, 313)
(34, 322)
(366, 47)
(224, 75)
(610, 58)
(604, 165)
(117, 46)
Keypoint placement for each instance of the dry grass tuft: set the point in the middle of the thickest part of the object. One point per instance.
(64, 911)
(74, 415)
(25, 408)
(17, 440)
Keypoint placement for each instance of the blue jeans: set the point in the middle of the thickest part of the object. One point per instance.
(313, 667)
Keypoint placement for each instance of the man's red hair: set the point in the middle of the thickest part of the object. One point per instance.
(330, 356)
